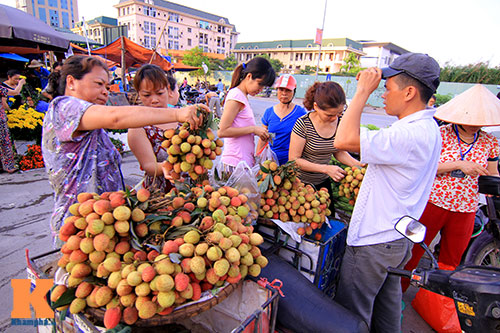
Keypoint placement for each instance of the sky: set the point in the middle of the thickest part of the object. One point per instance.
(459, 32)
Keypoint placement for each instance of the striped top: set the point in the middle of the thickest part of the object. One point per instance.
(317, 149)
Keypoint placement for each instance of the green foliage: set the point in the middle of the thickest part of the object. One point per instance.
(441, 99)
(228, 64)
(195, 57)
(472, 73)
(308, 70)
(351, 64)
(277, 65)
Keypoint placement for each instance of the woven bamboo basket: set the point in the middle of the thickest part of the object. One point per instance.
(179, 314)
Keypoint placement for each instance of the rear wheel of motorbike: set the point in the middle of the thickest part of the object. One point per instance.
(483, 252)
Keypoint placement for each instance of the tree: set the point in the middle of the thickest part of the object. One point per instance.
(228, 64)
(277, 65)
(472, 73)
(308, 70)
(195, 57)
(351, 64)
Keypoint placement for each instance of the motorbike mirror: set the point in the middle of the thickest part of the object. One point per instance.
(411, 229)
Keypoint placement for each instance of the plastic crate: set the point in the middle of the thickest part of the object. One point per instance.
(319, 261)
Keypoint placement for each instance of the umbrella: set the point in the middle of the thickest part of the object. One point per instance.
(18, 28)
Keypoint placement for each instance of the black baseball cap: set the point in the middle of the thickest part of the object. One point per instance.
(417, 65)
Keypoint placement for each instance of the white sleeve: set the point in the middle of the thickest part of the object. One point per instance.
(390, 146)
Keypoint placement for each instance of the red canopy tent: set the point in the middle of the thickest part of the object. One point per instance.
(124, 51)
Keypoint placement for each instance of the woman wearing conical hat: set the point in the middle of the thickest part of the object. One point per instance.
(467, 152)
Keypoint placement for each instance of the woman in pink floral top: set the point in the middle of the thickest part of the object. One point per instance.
(78, 154)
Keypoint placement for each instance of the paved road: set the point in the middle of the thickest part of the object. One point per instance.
(26, 204)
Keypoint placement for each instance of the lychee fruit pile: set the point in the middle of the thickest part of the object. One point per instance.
(138, 262)
(285, 197)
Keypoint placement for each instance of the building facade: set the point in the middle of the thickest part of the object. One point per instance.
(102, 29)
(170, 26)
(56, 13)
(380, 54)
(297, 54)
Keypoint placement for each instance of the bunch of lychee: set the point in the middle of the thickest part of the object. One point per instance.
(190, 151)
(351, 183)
(291, 200)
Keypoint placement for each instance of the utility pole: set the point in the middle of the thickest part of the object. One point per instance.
(319, 52)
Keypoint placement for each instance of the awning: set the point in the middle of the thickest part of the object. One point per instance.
(180, 67)
(135, 54)
(18, 28)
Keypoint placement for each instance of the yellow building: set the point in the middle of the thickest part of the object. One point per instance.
(297, 54)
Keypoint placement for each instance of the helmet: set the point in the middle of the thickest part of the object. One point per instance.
(286, 81)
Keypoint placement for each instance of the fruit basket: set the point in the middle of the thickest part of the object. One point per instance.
(263, 315)
(180, 313)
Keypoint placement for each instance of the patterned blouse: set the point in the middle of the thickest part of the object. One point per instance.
(461, 194)
(155, 136)
(3, 115)
(76, 161)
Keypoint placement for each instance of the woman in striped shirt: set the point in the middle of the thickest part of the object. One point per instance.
(311, 142)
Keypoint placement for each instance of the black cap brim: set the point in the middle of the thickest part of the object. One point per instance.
(388, 72)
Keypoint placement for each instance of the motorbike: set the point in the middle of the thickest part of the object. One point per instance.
(474, 289)
(484, 248)
(188, 95)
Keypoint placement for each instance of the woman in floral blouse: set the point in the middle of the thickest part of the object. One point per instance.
(78, 154)
(467, 152)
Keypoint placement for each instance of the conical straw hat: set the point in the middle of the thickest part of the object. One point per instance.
(476, 106)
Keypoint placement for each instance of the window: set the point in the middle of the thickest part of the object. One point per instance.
(147, 42)
(41, 2)
(221, 51)
(173, 32)
(153, 42)
(189, 29)
(65, 20)
(189, 41)
(54, 17)
(279, 46)
(128, 10)
(205, 49)
(221, 29)
(173, 17)
(152, 28)
(53, 3)
(173, 44)
(64, 4)
(42, 14)
(146, 27)
(327, 69)
(149, 11)
(204, 39)
(204, 25)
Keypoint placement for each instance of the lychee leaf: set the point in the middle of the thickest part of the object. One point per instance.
(176, 258)
(154, 247)
(264, 169)
(66, 298)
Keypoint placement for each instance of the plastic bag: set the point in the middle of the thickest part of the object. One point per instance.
(264, 154)
(245, 182)
(437, 310)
